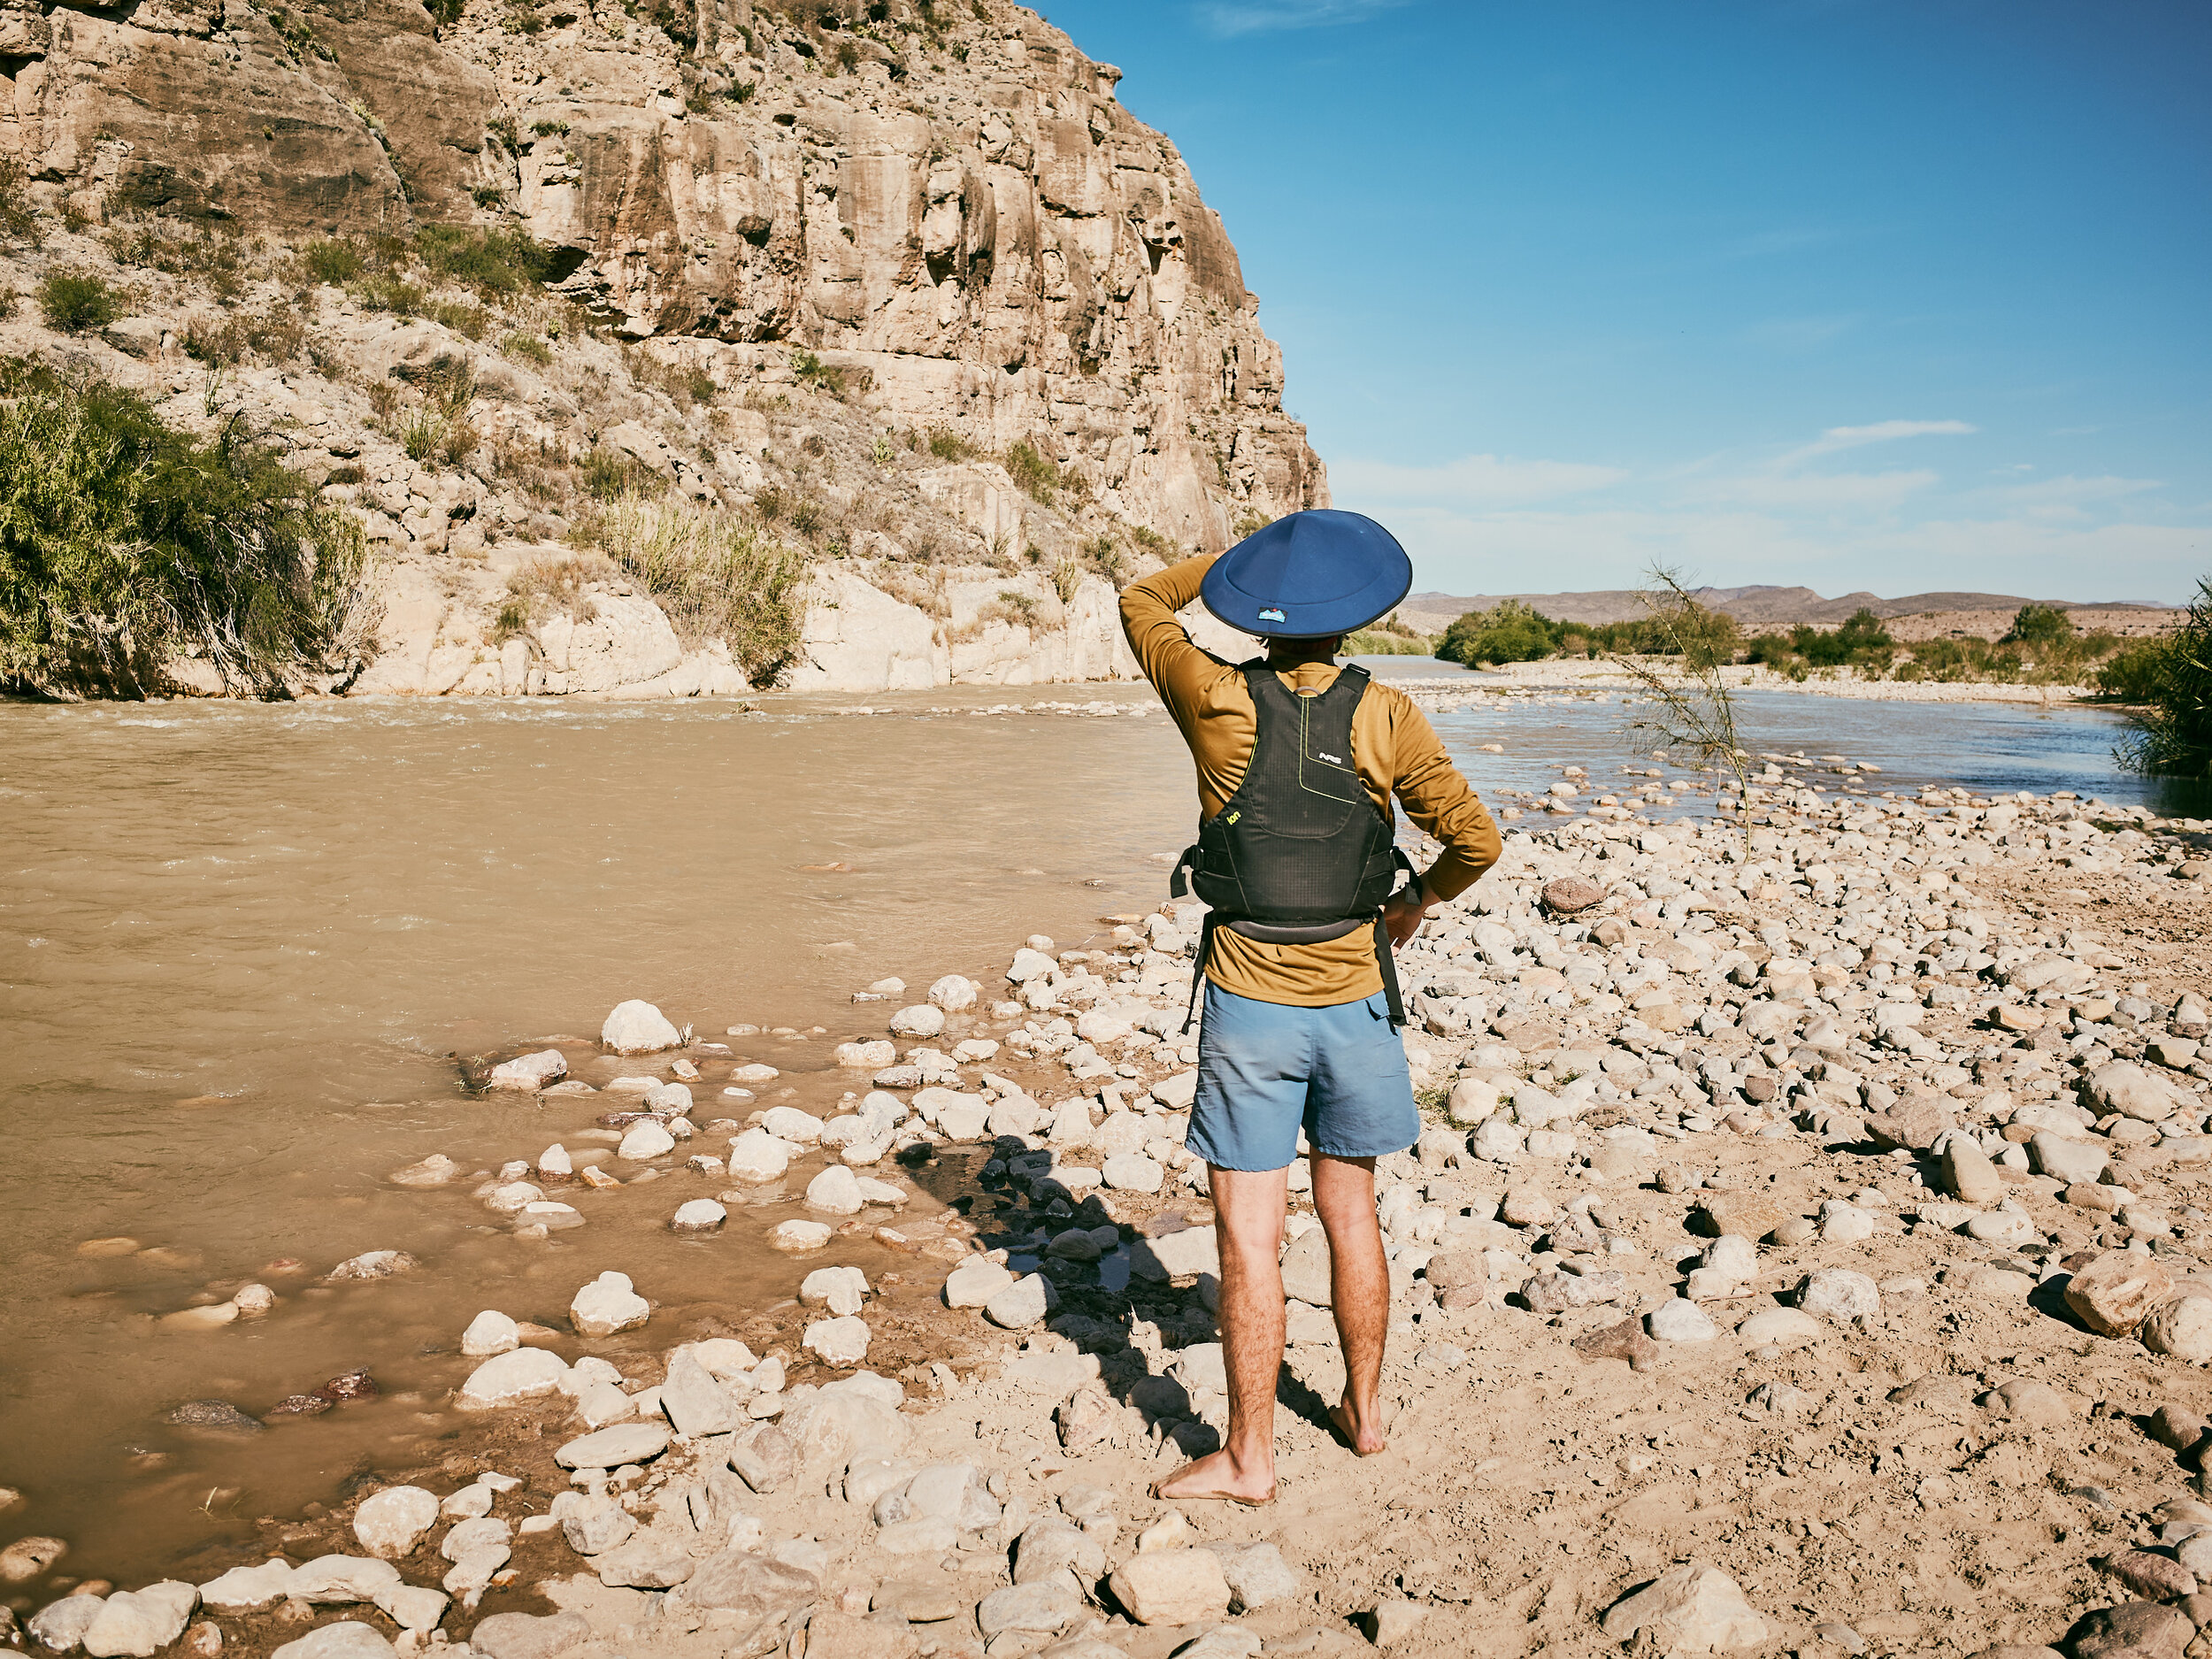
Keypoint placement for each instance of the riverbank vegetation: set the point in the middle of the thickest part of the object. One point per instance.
(717, 574)
(2168, 681)
(126, 544)
(2042, 646)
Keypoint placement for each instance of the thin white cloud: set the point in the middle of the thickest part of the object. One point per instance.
(1232, 18)
(1470, 480)
(1839, 438)
(1840, 490)
(2071, 491)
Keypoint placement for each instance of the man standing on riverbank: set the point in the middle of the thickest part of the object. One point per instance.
(1297, 761)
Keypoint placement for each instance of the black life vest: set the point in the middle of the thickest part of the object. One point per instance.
(1299, 853)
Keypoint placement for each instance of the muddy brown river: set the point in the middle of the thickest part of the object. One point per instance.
(245, 952)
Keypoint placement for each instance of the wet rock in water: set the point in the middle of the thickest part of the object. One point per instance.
(490, 1333)
(924, 1019)
(252, 1300)
(2182, 1328)
(2118, 1292)
(638, 1027)
(836, 1190)
(1170, 1586)
(353, 1384)
(758, 1157)
(522, 1374)
(1626, 1340)
(608, 1304)
(531, 1071)
(437, 1170)
(60, 1625)
(373, 1264)
(839, 1342)
(645, 1139)
(975, 1282)
(797, 1237)
(510, 1197)
(348, 1640)
(218, 1415)
(341, 1581)
(1839, 1295)
(1025, 1302)
(788, 1123)
(953, 994)
(136, 1624)
(248, 1589)
(1680, 1319)
(527, 1636)
(1693, 1608)
(839, 1289)
(389, 1523)
(698, 1214)
(556, 1163)
(694, 1401)
(866, 1057)
(610, 1449)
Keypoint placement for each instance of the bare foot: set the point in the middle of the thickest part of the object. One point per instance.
(1217, 1476)
(1365, 1441)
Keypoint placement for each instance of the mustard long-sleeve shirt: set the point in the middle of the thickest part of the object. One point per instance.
(1393, 748)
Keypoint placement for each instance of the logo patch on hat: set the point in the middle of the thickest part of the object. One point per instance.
(1268, 613)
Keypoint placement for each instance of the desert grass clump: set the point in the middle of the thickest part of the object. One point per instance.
(717, 574)
(125, 543)
(1689, 710)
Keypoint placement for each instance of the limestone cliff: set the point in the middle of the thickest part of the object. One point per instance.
(804, 239)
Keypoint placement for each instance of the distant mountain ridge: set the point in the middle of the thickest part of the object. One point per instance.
(1755, 607)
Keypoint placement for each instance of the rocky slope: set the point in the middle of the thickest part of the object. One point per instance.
(846, 258)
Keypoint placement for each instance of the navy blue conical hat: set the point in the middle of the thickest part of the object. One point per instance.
(1309, 575)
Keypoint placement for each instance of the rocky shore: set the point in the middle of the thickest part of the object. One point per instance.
(1801, 1255)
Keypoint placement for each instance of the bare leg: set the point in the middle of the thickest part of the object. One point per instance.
(1248, 1221)
(1359, 1283)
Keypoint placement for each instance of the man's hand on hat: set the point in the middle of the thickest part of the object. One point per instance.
(1406, 911)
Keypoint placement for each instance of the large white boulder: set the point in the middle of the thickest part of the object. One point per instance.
(638, 1027)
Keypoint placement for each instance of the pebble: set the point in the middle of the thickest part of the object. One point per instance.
(1679, 1320)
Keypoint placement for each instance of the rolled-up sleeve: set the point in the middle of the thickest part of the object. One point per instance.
(1179, 669)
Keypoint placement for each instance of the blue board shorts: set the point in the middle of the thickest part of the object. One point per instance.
(1266, 1070)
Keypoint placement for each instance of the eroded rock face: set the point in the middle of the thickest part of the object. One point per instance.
(968, 224)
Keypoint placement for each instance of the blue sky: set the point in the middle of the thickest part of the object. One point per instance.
(1894, 296)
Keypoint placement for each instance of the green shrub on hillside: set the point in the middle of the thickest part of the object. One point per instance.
(1034, 472)
(123, 542)
(490, 261)
(76, 301)
(2171, 679)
